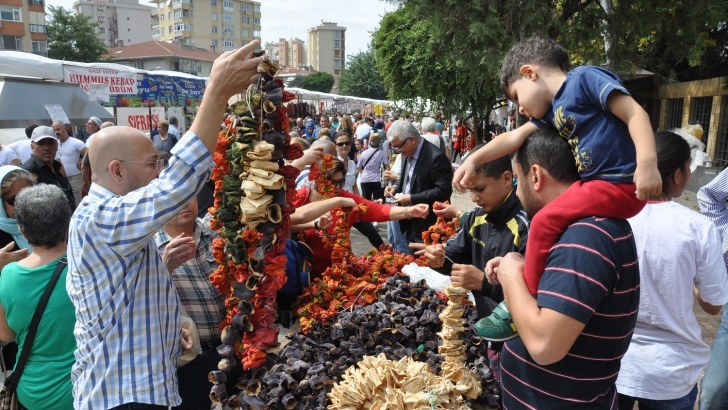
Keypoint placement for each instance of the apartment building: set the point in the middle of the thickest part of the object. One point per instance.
(120, 22)
(272, 51)
(23, 26)
(292, 53)
(220, 25)
(327, 48)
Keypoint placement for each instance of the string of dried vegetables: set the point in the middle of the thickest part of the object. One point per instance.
(251, 212)
(442, 230)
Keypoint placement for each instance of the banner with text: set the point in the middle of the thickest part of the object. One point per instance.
(139, 117)
(163, 91)
(119, 82)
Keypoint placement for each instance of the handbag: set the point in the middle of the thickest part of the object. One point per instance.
(9, 398)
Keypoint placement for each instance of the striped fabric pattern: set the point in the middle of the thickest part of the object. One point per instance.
(592, 276)
(712, 200)
(128, 327)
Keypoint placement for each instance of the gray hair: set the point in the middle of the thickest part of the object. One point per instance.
(14, 176)
(43, 215)
(329, 147)
(428, 124)
(402, 129)
(107, 124)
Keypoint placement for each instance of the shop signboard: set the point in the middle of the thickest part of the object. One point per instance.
(119, 82)
(139, 118)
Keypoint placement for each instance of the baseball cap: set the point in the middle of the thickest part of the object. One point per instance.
(43, 132)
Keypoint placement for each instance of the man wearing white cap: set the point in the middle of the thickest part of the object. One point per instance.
(43, 162)
(93, 125)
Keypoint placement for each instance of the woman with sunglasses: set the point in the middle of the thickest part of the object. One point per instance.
(14, 246)
(375, 213)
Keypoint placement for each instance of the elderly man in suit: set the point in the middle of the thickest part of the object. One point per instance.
(426, 176)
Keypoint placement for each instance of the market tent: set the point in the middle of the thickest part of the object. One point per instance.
(22, 101)
(16, 63)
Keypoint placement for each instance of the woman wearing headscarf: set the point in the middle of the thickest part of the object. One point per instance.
(12, 180)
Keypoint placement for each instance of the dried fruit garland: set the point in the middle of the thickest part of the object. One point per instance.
(350, 282)
(251, 212)
(442, 230)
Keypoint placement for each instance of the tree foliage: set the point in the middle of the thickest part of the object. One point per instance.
(361, 78)
(319, 81)
(72, 37)
(449, 51)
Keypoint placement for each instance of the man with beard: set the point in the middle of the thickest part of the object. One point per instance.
(573, 335)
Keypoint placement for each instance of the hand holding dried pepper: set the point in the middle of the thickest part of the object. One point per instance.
(467, 276)
(178, 251)
(446, 210)
(435, 255)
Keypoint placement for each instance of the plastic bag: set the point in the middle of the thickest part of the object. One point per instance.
(434, 279)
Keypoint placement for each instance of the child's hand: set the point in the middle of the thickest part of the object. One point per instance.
(462, 175)
(648, 181)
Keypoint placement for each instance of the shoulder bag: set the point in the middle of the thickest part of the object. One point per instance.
(9, 398)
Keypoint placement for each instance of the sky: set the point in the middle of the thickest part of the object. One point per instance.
(292, 18)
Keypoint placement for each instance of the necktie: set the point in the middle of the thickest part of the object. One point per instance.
(406, 186)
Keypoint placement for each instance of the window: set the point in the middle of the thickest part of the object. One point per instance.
(246, 33)
(100, 8)
(227, 4)
(101, 30)
(256, 20)
(337, 63)
(199, 67)
(11, 43)
(337, 34)
(256, 9)
(213, 3)
(181, 27)
(162, 31)
(228, 29)
(245, 8)
(101, 19)
(256, 33)
(161, 17)
(674, 113)
(155, 32)
(229, 42)
(40, 47)
(337, 54)
(179, 13)
(192, 13)
(37, 28)
(10, 13)
(169, 16)
(214, 29)
(228, 17)
(35, 3)
(214, 43)
(246, 20)
(337, 43)
(213, 16)
(700, 108)
(337, 72)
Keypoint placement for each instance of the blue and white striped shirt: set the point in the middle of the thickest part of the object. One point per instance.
(128, 327)
(712, 200)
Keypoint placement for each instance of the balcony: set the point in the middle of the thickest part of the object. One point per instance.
(36, 3)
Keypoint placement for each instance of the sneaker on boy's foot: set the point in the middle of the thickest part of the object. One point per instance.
(497, 327)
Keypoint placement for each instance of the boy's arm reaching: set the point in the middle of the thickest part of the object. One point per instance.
(502, 145)
(647, 176)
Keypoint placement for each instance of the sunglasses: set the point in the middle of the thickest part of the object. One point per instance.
(343, 144)
(10, 201)
(337, 182)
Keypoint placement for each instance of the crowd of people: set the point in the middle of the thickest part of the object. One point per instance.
(583, 269)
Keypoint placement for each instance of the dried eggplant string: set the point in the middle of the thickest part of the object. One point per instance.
(253, 190)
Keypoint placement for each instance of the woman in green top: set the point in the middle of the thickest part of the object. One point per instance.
(43, 217)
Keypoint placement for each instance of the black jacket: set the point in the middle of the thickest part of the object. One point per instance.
(47, 176)
(485, 236)
(431, 182)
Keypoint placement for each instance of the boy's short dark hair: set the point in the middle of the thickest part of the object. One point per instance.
(495, 168)
(533, 50)
(547, 148)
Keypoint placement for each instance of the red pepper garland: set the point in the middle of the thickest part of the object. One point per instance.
(442, 230)
(252, 208)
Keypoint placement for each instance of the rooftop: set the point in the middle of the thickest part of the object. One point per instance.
(152, 49)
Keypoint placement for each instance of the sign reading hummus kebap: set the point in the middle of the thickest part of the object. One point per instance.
(119, 82)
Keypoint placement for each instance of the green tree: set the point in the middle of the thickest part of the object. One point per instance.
(319, 81)
(361, 77)
(72, 37)
(449, 51)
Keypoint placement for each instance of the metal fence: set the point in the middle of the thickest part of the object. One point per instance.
(700, 112)
(674, 113)
(721, 143)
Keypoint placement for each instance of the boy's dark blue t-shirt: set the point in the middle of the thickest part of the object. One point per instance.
(601, 142)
